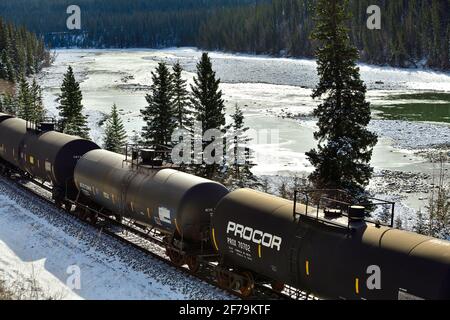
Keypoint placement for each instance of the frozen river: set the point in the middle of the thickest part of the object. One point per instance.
(264, 87)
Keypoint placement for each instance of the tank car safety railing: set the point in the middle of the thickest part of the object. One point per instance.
(134, 156)
(342, 202)
(38, 126)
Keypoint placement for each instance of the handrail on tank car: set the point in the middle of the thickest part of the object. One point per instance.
(347, 205)
(133, 155)
(306, 193)
(33, 125)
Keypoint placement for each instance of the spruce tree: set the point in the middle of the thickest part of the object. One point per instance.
(115, 134)
(3, 69)
(159, 114)
(70, 107)
(24, 100)
(345, 145)
(239, 173)
(10, 73)
(181, 99)
(209, 110)
(36, 101)
(206, 96)
(9, 104)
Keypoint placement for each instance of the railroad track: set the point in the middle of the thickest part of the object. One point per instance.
(152, 244)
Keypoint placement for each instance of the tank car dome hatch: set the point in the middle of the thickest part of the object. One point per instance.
(166, 198)
(356, 213)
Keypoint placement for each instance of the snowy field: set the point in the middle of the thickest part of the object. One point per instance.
(39, 245)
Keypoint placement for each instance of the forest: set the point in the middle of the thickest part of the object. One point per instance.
(413, 33)
(22, 53)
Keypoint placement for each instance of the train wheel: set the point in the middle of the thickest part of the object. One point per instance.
(68, 206)
(248, 284)
(92, 219)
(176, 258)
(223, 279)
(277, 286)
(193, 264)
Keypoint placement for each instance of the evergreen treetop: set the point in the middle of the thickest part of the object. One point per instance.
(181, 99)
(345, 145)
(115, 134)
(71, 108)
(209, 109)
(207, 97)
(159, 114)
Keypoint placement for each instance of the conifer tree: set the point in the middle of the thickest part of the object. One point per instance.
(9, 104)
(158, 115)
(36, 101)
(115, 134)
(209, 110)
(207, 97)
(239, 173)
(70, 107)
(181, 99)
(24, 100)
(345, 145)
(9, 72)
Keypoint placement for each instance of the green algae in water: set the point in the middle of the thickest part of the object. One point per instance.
(424, 106)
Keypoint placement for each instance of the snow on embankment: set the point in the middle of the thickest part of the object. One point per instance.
(38, 243)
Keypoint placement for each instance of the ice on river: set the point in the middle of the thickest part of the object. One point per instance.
(264, 87)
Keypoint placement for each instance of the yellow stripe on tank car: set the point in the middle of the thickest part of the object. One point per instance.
(214, 239)
(357, 286)
(307, 267)
(259, 250)
(176, 226)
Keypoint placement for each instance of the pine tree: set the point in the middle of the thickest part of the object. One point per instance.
(158, 115)
(181, 99)
(209, 109)
(10, 104)
(36, 102)
(70, 107)
(115, 134)
(421, 224)
(206, 96)
(10, 73)
(345, 144)
(283, 189)
(239, 173)
(24, 100)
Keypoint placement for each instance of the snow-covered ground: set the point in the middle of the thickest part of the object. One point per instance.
(40, 245)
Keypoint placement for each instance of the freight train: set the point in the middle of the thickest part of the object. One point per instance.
(329, 250)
